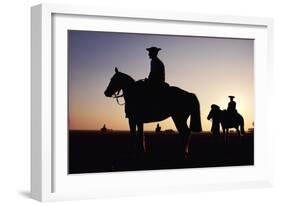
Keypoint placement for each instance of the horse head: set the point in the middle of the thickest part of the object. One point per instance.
(118, 82)
(214, 111)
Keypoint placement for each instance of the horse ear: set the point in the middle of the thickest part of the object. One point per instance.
(116, 70)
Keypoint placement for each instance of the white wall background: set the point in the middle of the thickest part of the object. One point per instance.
(15, 102)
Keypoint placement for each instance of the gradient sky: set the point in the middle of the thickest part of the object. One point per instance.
(212, 68)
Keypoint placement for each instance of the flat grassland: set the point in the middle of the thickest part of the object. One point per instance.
(96, 151)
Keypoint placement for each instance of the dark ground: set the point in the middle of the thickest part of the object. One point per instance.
(95, 151)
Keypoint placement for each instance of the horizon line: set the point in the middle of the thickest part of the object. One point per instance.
(112, 130)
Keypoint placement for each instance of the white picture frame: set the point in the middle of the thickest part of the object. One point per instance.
(49, 178)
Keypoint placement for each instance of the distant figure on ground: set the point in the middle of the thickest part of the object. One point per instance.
(158, 128)
(103, 129)
(157, 68)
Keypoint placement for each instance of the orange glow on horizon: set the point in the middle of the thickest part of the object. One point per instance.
(212, 68)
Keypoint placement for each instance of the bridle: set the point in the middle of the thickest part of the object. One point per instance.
(116, 96)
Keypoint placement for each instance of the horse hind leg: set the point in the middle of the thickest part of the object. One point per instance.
(184, 132)
(239, 133)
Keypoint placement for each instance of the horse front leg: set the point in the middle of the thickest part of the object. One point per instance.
(141, 138)
(133, 139)
(227, 135)
(224, 134)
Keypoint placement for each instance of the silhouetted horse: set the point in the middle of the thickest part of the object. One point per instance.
(144, 104)
(227, 120)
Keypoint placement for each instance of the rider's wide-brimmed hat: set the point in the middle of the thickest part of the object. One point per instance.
(153, 49)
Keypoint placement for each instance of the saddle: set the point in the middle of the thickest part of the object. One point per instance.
(231, 114)
(152, 91)
(149, 100)
(149, 96)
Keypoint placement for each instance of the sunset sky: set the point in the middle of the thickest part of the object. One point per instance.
(212, 68)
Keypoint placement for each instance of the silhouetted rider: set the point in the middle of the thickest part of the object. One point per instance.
(157, 68)
(232, 105)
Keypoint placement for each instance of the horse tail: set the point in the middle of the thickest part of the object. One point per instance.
(195, 121)
(242, 125)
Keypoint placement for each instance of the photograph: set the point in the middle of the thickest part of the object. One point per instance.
(139, 101)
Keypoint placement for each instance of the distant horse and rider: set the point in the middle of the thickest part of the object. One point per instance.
(153, 100)
(229, 118)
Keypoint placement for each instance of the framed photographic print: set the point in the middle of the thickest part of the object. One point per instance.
(136, 102)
